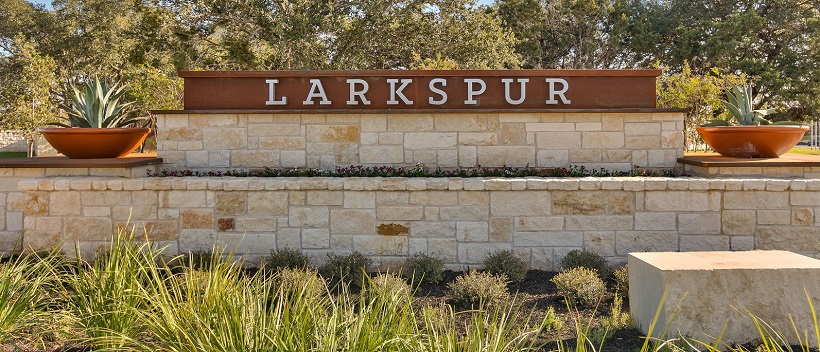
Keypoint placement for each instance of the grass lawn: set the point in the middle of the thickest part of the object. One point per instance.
(8, 155)
(805, 151)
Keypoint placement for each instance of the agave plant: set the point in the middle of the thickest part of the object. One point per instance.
(95, 104)
(739, 104)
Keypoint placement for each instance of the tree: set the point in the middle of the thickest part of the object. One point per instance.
(28, 80)
(700, 95)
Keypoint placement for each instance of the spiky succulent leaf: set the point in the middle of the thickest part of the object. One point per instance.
(96, 104)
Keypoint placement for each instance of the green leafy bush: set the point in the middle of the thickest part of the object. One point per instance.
(285, 258)
(585, 259)
(552, 322)
(424, 268)
(477, 289)
(507, 264)
(345, 269)
(622, 281)
(580, 286)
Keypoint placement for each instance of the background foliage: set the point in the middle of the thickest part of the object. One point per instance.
(703, 45)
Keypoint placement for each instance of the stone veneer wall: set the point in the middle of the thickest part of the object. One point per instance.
(461, 220)
(616, 141)
(13, 202)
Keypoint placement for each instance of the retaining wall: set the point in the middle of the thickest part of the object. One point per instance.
(460, 220)
(593, 138)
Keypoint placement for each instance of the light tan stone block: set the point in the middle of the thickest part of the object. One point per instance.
(409, 122)
(36, 203)
(231, 203)
(536, 223)
(602, 140)
(477, 138)
(359, 200)
(506, 155)
(352, 221)
(600, 242)
(333, 133)
(465, 122)
(467, 212)
(552, 158)
(558, 140)
(472, 231)
(381, 245)
(655, 221)
(426, 229)
(225, 138)
(281, 143)
(87, 229)
(179, 134)
(254, 158)
(197, 219)
(755, 200)
(397, 213)
(548, 239)
(682, 201)
(213, 120)
(644, 241)
(430, 140)
(374, 122)
(774, 217)
(802, 216)
(512, 134)
(699, 224)
(516, 203)
(274, 130)
(681, 276)
(308, 217)
(599, 222)
(64, 203)
(256, 225)
(738, 222)
(500, 229)
(695, 243)
(381, 155)
(267, 203)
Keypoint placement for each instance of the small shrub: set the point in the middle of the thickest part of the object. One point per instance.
(477, 289)
(585, 259)
(285, 258)
(580, 286)
(388, 289)
(622, 281)
(424, 268)
(507, 264)
(345, 269)
(298, 283)
(616, 320)
(552, 322)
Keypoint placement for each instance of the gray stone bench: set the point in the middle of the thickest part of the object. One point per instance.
(710, 289)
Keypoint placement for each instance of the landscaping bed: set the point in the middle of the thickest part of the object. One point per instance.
(133, 298)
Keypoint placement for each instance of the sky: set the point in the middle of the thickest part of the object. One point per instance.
(48, 2)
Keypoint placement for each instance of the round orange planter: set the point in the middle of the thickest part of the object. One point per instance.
(752, 141)
(95, 143)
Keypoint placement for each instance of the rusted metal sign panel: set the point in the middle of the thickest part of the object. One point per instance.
(420, 90)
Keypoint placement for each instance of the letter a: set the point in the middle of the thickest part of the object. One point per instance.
(316, 91)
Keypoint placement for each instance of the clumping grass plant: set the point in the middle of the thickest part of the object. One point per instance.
(24, 284)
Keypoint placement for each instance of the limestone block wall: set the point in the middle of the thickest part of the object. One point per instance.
(613, 140)
(13, 202)
(460, 220)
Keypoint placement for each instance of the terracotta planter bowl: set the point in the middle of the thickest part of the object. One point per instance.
(95, 143)
(752, 141)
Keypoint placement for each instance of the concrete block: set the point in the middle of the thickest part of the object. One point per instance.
(710, 292)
